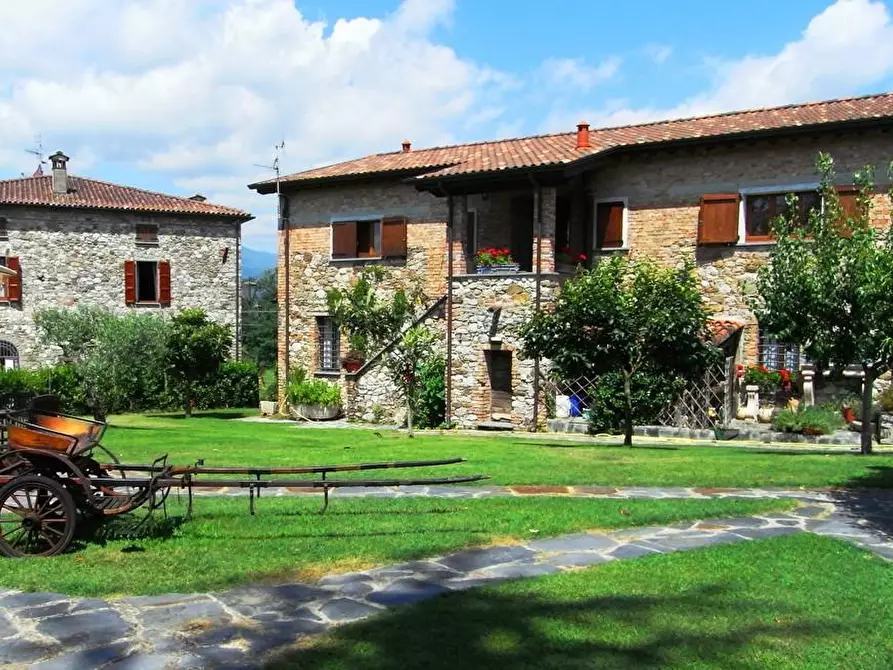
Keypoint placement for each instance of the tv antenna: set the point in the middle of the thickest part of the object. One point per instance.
(275, 165)
(38, 152)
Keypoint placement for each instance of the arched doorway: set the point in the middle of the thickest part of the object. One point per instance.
(9, 355)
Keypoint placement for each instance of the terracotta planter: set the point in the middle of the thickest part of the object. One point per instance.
(812, 431)
(849, 415)
(353, 366)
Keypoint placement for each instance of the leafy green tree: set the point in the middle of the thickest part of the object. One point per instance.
(405, 361)
(630, 319)
(196, 348)
(829, 281)
(260, 322)
(120, 359)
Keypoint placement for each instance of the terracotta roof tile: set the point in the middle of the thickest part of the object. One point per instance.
(723, 329)
(93, 194)
(544, 150)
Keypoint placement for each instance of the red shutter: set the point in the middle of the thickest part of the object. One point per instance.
(848, 203)
(129, 282)
(344, 240)
(14, 284)
(393, 237)
(164, 282)
(609, 225)
(718, 218)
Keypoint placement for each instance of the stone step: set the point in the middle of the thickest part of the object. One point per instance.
(495, 425)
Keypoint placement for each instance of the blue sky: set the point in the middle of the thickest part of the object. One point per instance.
(187, 96)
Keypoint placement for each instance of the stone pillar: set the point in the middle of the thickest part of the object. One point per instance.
(545, 229)
(753, 400)
(808, 374)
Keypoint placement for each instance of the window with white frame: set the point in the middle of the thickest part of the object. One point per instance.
(610, 224)
(776, 355)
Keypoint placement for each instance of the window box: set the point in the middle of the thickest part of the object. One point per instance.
(508, 268)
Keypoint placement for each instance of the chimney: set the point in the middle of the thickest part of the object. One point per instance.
(59, 161)
(198, 197)
(583, 135)
(407, 146)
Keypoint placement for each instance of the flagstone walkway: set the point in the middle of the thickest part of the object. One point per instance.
(238, 627)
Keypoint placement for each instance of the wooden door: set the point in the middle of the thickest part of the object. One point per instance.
(500, 372)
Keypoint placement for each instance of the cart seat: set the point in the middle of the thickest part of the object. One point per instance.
(19, 436)
(87, 433)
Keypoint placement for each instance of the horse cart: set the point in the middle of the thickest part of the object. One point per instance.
(55, 474)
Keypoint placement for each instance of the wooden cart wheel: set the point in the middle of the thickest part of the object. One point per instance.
(37, 517)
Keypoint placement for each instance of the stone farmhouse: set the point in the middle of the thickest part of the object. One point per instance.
(704, 188)
(78, 241)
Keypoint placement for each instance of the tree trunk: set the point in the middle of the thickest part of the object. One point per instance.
(867, 390)
(628, 414)
(409, 416)
(99, 413)
(187, 400)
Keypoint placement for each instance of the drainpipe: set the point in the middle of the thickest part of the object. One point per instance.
(449, 308)
(238, 290)
(283, 226)
(538, 194)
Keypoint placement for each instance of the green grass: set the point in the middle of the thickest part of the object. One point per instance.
(222, 441)
(792, 602)
(288, 540)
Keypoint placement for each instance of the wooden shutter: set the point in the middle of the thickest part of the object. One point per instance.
(129, 282)
(847, 195)
(718, 218)
(393, 237)
(164, 282)
(14, 283)
(609, 225)
(344, 240)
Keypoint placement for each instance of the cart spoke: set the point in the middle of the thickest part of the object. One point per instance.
(16, 510)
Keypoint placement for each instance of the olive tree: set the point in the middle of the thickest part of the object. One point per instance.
(829, 281)
(626, 319)
(196, 348)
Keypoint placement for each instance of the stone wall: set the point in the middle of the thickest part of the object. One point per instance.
(664, 188)
(73, 257)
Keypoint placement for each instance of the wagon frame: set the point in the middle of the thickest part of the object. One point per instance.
(51, 478)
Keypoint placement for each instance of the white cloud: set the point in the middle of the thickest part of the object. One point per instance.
(200, 90)
(574, 74)
(843, 49)
(659, 53)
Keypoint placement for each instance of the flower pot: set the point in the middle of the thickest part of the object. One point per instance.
(508, 268)
(741, 413)
(353, 366)
(849, 415)
(314, 412)
(813, 431)
(269, 407)
(765, 414)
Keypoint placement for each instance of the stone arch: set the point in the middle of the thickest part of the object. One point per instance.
(9, 355)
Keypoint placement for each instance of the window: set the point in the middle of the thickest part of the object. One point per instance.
(4, 233)
(369, 238)
(10, 286)
(761, 210)
(9, 355)
(147, 234)
(329, 336)
(147, 282)
(610, 224)
(777, 355)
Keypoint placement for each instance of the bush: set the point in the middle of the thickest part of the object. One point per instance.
(302, 390)
(815, 420)
(235, 385)
(269, 385)
(430, 404)
(651, 393)
(885, 400)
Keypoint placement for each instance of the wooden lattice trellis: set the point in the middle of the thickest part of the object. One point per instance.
(712, 392)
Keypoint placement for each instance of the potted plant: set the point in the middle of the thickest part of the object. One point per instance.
(268, 397)
(492, 260)
(567, 260)
(314, 399)
(848, 407)
(353, 360)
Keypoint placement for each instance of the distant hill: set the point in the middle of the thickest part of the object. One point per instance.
(255, 262)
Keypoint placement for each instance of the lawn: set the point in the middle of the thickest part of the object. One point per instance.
(220, 440)
(289, 540)
(792, 602)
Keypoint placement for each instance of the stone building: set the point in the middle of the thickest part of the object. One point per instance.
(78, 241)
(702, 188)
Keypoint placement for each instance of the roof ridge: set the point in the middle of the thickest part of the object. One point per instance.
(144, 190)
(23, 178)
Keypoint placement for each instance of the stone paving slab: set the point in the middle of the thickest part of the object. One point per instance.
(240, 627)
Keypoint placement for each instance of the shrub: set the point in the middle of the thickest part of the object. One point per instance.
(269, 386)
(885, 400)
(816, 419)
(430, 402)
(651, 393)
(234, 385)
(302, 390)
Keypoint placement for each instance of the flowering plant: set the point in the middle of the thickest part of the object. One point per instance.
(768, 380)
(568, 255)
(493, 256)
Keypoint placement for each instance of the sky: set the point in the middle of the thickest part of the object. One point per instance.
(192, 96)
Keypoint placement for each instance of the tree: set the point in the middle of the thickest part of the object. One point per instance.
(633, 319)
(196, 348)
(260, 322)
(828, 283)
(405, 362)
(119, 358)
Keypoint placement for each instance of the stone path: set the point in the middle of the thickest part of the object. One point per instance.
(238, 627)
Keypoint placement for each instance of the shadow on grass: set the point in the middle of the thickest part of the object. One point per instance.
(204, 414)
(127, 527)
(568, 444)
(711, 626)
(873, 507)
